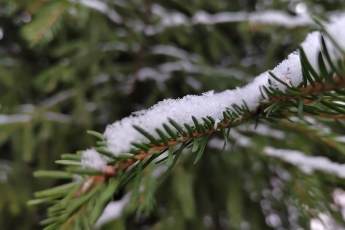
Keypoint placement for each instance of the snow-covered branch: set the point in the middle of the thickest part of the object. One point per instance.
(308, 164)
(8, 119)
(101, 7)
(185, 62)
(170, 19)
(121, 134)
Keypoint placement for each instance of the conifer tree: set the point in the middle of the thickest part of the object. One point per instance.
(257, 143)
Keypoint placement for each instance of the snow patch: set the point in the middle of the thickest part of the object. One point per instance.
(307, 164)
(113, 211)
(90, 158)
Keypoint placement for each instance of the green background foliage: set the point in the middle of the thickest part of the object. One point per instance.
(66, 68)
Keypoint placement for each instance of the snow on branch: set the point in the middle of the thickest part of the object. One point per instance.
(185, 62)
(268, 17)
(273, 17)
(11, 119)
(92, 159)
(101, 7)
(113, 211)
(120, 135)
(307, 164)
(170, 19)
(14, 118)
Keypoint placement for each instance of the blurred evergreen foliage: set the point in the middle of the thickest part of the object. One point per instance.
(71, 66)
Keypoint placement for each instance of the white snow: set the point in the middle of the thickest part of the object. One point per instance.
(244, 141)
(307, 164)
(170, 19)
(121, 134)
(1, 33)
(14, 118)
(10, 119)
(324, 222)
(90, 158)
(5, 170)
(339, 200)
(113, 211)
(273, 17)
(173, 51)
(165, 71)
(195, 84)
(263, 130)
(101, 7)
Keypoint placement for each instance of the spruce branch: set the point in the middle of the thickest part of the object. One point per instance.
(46, 23)
(319, 92)
(226, 123)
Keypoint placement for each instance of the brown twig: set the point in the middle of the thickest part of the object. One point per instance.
(316, 88)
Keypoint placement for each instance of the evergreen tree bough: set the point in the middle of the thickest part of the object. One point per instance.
(309, 82)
